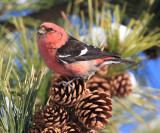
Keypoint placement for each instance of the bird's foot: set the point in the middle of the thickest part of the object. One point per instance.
(67, 83)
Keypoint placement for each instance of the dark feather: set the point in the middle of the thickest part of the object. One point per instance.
(73, 48)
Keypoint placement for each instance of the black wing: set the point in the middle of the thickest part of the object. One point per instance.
(74, 50)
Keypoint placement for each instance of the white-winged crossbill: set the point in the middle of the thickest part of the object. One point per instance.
(68, 56)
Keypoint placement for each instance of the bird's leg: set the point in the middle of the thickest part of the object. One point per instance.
(85, 79)
(67, 83)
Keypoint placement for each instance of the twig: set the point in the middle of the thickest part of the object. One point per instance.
(66, 19)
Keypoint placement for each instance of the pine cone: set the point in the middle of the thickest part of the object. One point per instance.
(51, 130)
(68, 97)
(105, 48)
(121, 85)
(37, 119)
(102, 71)
(54, 115)
(34, 129)
(97, 83)
(85, 130)
(71, 128)
(152, 52)
(92, 131)
(94, 109)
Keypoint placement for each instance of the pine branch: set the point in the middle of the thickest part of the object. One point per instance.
(16, 108)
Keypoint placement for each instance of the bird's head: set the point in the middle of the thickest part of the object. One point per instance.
(51, 33)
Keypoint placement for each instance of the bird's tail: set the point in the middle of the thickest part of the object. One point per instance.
(117, 60)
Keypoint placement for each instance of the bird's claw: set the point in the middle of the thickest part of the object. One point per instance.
(71, 86)
(67, 84)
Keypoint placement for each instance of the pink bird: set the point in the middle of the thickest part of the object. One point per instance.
(68, 56)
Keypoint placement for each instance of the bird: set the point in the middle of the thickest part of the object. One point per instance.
(68, 56)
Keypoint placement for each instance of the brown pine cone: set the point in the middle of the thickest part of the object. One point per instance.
(98, 83)
(34, 129)
(94, 109)
(67, 97)
(102, 71)
(85, 130)
(120, 85)
(71, 128)
(105, 48)
(153, 52)
(92, 131)
(51, 130)
(37, 119)
(54, 115)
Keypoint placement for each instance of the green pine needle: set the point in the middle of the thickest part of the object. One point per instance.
(16, 108)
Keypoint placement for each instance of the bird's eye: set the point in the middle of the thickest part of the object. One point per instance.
(49, 29)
